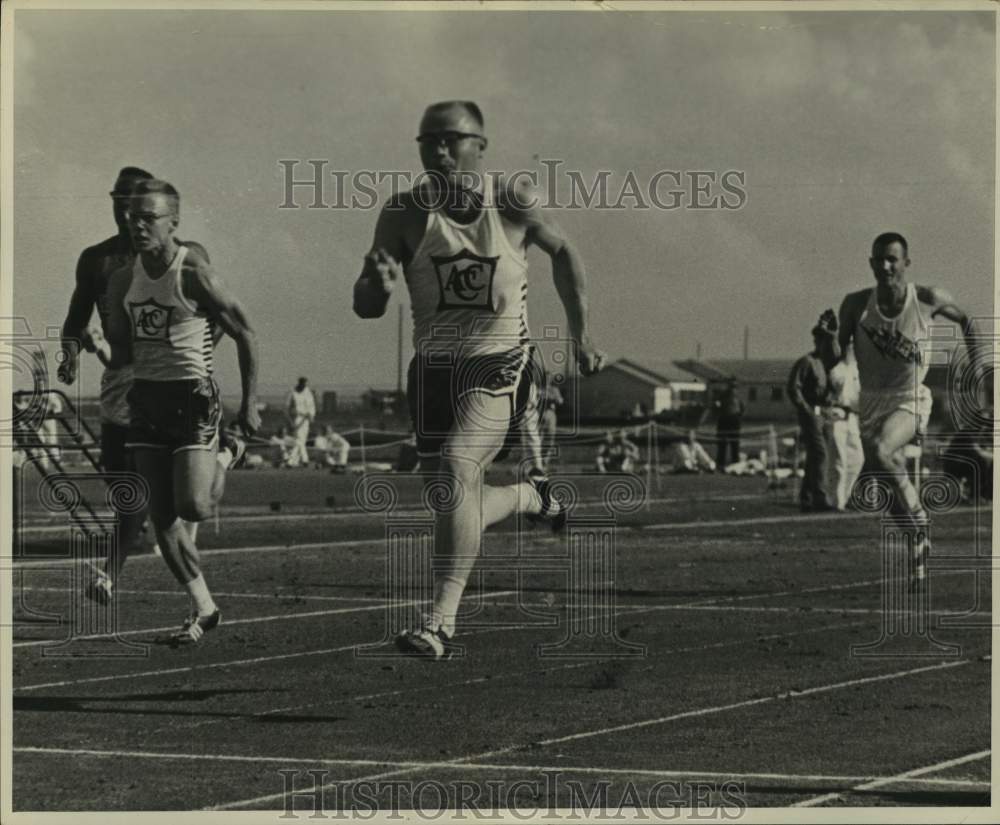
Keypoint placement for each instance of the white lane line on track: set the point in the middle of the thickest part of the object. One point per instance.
(460, 761)
(801, 518)
(890, 780)
(499, 767)
(338, 515)
(791, 694)
(653, 608)
(280, 617)
(61, 562)
(623, 609)
(635, 529)
(182, 594)
(864, 611)
(510, 674)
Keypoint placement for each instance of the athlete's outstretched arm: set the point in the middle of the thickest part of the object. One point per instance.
(194, 246)
(847, 322)
(521, 205)
(944, 306)
(81, 307)
(208, 292)
(382, 268)
(570, 280)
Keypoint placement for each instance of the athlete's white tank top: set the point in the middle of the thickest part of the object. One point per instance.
(468, 286)
(171, 337)
(892, 352)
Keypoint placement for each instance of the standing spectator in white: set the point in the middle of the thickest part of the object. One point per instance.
(48, 428)
(843, 435)
(301, 410)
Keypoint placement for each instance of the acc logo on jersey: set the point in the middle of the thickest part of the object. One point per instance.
(466, 281)
(150, 321)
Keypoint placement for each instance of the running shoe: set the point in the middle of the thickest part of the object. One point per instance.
(194, 628)
(426, 643)
(100, 590)
(552, 510)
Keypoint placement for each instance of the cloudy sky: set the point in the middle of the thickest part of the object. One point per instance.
(845, 124)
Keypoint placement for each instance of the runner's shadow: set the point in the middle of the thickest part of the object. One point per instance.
(69, 704)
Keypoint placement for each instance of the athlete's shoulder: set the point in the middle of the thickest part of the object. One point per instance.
(934, 296)
(99, 251)
(194, 260)
(404, 216)
(195, 248)
(517, 197)
(120, 279)
(419, 199)
(856, 300)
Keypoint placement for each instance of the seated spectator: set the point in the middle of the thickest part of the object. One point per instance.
(332, 450)
(283, 446)
(690, 456)
(748, 465)
(617, 454)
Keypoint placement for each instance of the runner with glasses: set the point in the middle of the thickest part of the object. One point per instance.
(459, 240)
(93, 273)
(163, 308)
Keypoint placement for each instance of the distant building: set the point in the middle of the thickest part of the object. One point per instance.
(761, 384)
(627, 387)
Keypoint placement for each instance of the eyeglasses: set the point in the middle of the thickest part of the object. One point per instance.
(448, 138)
(146, 218)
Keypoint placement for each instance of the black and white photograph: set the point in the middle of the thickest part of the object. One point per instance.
(434, 411)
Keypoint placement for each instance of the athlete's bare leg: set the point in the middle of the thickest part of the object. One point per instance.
(179, 552)
(199, 480)
(531, 438)
(466, 455)
(884, 455)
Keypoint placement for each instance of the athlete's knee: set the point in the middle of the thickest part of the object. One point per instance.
(194, 509)
(460, 472)
(887, 458)
(162, 518)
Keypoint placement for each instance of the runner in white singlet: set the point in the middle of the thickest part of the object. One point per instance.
(888, 328)
(94, 270)
(162, 311)
(459, 242)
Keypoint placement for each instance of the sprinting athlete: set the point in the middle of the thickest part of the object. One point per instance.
(459, 242)
(888, 327)
(93, 273)
(162, 309)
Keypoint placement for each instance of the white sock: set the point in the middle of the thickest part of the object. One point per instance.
(446, 600)
(919, 519)
(198, 591)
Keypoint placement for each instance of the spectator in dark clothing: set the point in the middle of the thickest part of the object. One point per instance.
(730, 417)
(808, 390)
(969, 459)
